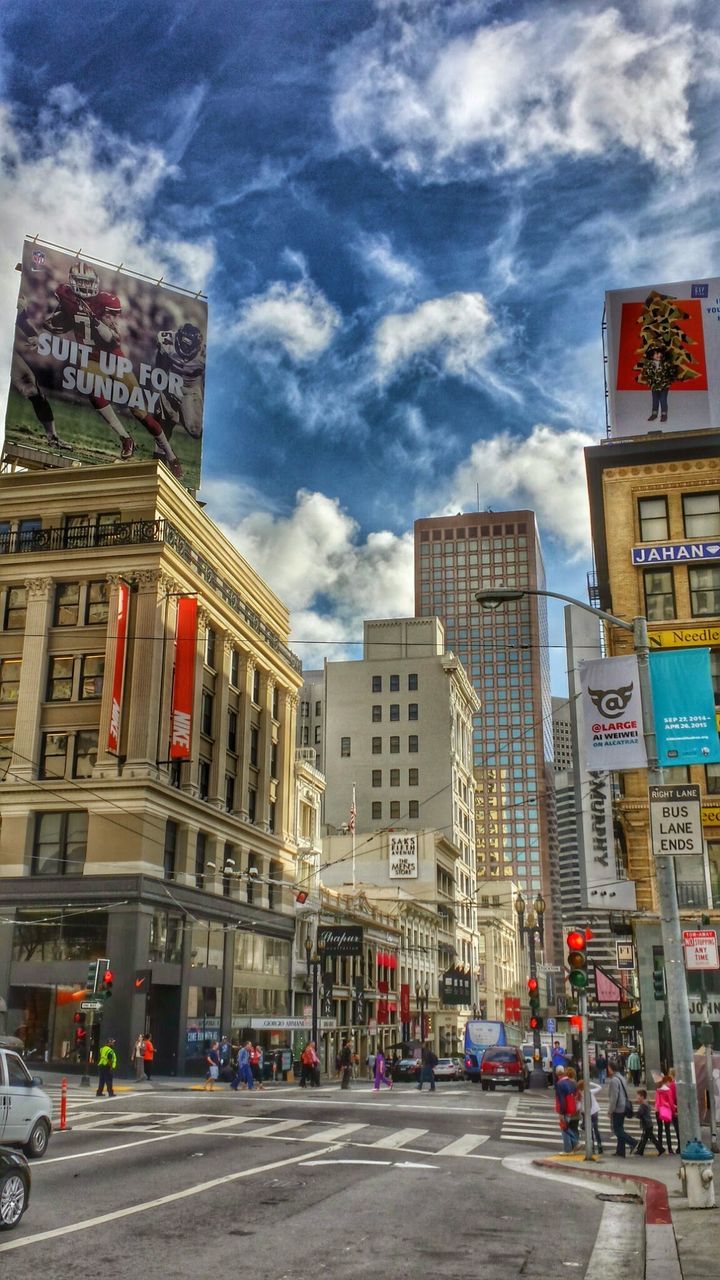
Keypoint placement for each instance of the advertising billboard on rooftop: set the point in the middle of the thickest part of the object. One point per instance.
(663, 348)
(106, 366)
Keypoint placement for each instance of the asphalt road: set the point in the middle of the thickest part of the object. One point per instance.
(179, 1184)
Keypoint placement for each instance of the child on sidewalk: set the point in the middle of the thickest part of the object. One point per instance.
(647, 1128)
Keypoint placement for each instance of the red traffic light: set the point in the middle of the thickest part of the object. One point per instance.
(532, 984)
(534, 1023)
(576, 940)
(107, 977)
(79, 1018)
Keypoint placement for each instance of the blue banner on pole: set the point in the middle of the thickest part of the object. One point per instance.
(684, 707)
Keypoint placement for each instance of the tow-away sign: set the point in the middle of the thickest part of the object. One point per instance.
(701, 949)
(675, 821)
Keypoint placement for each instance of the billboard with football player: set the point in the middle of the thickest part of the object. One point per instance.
(663, 348)
(106, 366)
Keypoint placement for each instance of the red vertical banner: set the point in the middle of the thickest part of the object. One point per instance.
(382, 1004)
(404, 1001)
(184, 685)
(113, 738)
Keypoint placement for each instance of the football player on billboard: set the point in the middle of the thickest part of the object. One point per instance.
(182, 352)
(23, 378)
(92, 314)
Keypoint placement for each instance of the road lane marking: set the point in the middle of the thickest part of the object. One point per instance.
(173, 1196)
(213, 1126)
(464, 1145)
(400, 1137)
(107, 1121)
(337, 1132)
(277, 1127)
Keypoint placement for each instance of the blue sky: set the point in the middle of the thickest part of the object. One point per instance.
(405, 214)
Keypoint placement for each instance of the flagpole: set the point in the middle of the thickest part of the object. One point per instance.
(354, 813)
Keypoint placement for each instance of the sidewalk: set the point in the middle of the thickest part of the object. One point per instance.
(696, 1231)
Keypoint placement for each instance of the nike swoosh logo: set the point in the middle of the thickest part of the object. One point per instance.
(139, 982)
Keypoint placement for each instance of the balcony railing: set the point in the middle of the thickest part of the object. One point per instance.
(692, 893)
(141, 533)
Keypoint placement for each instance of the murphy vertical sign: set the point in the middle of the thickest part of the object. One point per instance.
(675, 821)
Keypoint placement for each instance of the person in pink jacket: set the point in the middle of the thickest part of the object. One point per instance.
(664, 1112)
(673, 1093)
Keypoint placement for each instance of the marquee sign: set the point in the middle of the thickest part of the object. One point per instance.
(675, 553)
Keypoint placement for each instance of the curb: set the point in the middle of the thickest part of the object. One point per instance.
(662, 1261)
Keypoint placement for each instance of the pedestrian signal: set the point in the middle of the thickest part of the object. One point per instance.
(107, 983)
(577, 959)
(536, 1023)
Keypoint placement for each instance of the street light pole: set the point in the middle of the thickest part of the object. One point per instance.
(538, 1078)
(678, 1005)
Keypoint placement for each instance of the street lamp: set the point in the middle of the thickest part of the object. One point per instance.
(535, 924)
(422, 995)
(678, 1005)
(314, 960)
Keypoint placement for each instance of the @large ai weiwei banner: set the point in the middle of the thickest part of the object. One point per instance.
(612, 714)
(106, 366)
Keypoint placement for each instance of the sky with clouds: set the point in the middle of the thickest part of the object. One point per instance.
(405, 214)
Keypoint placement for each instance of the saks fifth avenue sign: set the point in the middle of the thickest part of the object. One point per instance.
(675, 553)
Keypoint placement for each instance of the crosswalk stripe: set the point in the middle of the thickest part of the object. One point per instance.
(336, 1132)
(274, 1126)
(399, 1138)
(464, 1145)
(106, 1122)
(215, 1125)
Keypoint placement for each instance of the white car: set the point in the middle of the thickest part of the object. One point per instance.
(446, 1069)
(25, 1108)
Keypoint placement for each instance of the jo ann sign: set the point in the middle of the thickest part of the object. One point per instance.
(675, 821)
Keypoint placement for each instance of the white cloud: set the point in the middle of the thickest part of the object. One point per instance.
(544, 472)
(296, 317)
(566, 82)
(457, 333)
(329, 579)
(77, 183)
(378, 257)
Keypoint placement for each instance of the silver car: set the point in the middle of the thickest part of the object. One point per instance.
(25, 1108)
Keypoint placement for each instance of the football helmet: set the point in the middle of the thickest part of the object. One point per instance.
(107, 302)
(188, 341)
(84, 279)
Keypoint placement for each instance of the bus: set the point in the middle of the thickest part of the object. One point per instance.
(480, 1033)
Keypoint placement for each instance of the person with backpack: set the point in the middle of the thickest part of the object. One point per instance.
(619, 1110)
(566, 1107)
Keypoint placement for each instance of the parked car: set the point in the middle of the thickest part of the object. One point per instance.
(503, 1064)
(406, 1069)
(25, 1108)
(14, 1188)
(446, 1069)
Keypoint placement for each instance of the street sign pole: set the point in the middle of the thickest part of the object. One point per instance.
(587, 1091)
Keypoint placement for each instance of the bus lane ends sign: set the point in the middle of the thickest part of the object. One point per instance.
(675, 821)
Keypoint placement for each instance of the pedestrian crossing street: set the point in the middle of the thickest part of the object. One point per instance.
(88, 1114)
(532, 1121)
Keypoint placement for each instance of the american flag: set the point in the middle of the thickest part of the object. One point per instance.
(353, 813)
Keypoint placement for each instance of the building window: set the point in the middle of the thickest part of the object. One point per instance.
(229, 792)
(275, 703)
(9, 679)
(394, 746)
(345, 748)
(67, 604)
(394, 808)
(659, 595)
(318, 734)
(256, 687)
(254, 744)
(712, 779)
(377, 777)
(704, 591)
(252, 804)
(412, 682)
(701, 514)
(305, 736)
(200, 848)
(376, 684)
(318, 708)
(394, 684)
(412, 711)
(376, 810)
(413, 809)
(272, 810)
(97, 607)
(60, 676)
(210, 647)
(273, 759)
(304, 710)
(394, 777)
(15, 609)
(413, 743)
(6, 753)
(232, 731)
(394, 710)
(92, 672)
(27, 533)
(206, 714)
(377, 746)
(170, 849)
(85, 754)
(413, 777)
(653, 519)
(376, 713)
(235, 669)
(203, 779)
(715, 674)
(60, 843)
(53, 759)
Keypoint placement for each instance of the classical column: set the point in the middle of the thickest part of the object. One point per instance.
(33, 674)
(286, 824)
(267, 689)
(222, 692)
(141, 700)
(244, 727)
